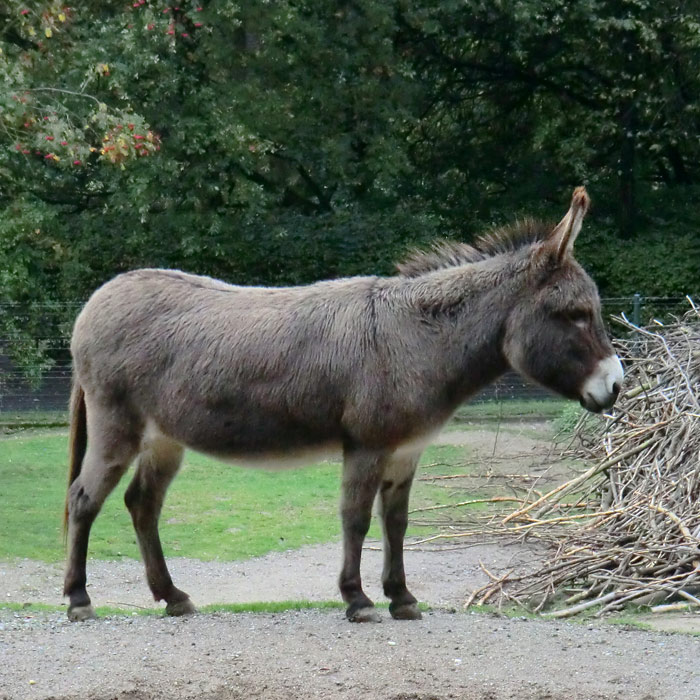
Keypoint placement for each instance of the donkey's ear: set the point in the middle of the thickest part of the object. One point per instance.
(561, 240)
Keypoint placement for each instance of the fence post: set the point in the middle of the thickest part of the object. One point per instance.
(637, 309)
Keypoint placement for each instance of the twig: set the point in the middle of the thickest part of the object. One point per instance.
(495, 499)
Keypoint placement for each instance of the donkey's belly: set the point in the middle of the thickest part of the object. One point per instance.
(245, 452)
(254, 437)
(285, 447)
(299, 457)
(290, 459)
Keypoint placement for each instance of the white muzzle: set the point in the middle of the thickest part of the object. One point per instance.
(601, 389)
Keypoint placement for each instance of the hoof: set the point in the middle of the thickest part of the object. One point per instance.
(80, 613)
(368, 614)
(408, 611)
(181, 607)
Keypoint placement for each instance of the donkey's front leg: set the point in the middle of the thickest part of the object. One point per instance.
(361, 477)
(395, 490)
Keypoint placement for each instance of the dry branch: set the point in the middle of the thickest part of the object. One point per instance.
(638, 536)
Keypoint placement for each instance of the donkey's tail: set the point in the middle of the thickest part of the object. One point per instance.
(78, 440)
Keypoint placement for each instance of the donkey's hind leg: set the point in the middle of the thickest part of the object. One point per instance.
(113, 444)
(395, 490)
(361, 476)
(157, 465)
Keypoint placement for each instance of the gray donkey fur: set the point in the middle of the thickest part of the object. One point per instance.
(371, 366)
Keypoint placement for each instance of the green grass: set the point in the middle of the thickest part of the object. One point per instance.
(276, 607)
(235, 608)
(13, 421)
(270, 607)
(629, 621)
(31, 607)
(213, 510)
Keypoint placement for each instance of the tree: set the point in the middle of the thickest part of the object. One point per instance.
(282, 142)
(529, 93)
(230, 139)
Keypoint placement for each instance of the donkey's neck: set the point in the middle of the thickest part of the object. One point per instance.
(463, 311)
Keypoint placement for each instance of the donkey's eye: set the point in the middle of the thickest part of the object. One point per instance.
(578, 316)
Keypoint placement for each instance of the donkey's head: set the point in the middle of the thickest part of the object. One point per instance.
(554, 333)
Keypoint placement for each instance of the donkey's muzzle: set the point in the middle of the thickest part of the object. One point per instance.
(601, 389)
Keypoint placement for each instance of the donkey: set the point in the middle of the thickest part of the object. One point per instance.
(372, 366)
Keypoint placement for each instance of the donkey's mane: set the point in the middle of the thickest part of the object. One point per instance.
(505, 239)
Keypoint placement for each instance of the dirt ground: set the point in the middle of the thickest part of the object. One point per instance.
(316, 653)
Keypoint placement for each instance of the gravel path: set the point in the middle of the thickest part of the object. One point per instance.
(317, 654)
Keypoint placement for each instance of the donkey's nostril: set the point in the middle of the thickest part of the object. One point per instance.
(616, 388)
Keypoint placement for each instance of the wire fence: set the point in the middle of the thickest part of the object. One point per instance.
(35, 359)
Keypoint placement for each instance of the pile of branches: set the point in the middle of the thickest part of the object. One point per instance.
(627, 530)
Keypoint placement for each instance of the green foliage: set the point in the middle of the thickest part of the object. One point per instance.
(657, 262)
(284, 142)
(662, 260)
(283, 134)
(214, 137)
(567, 420)
(532, 95)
